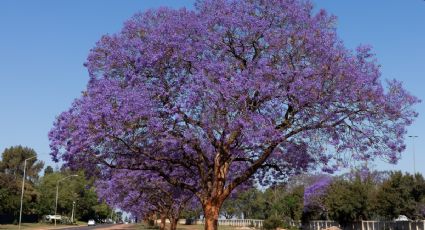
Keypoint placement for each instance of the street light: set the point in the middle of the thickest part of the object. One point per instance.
(414, 160)
(72, 213)
(22, 192)
(57, 192)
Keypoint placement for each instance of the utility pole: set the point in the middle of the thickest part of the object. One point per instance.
(72, 213)
(414, 160)
(22, 193)
(112, 216)
(57, 192)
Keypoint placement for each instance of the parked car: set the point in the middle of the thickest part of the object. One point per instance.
(91, 223)
(51, 218)
(402, 218)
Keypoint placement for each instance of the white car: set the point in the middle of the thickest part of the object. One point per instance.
(51, 218)
(402, 218)
(91, 223)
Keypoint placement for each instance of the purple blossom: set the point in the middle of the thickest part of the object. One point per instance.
(144, 195)
(313, 194)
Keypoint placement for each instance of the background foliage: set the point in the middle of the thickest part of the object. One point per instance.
(40, 190)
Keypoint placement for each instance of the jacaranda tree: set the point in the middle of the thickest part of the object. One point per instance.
(232, 90)
(144, 196)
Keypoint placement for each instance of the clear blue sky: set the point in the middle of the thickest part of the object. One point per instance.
(43, 45)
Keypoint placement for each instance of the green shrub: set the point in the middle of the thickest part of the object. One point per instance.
(273, 222)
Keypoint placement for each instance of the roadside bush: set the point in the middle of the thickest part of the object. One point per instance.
(272, 222)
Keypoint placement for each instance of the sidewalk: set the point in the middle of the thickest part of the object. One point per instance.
(120, 227)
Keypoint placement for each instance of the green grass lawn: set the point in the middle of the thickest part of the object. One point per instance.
(32, 226)
(25, 226)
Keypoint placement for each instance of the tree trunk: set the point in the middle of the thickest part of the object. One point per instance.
(217, 193)
(173, 223)
(162, 224)
(211, 212)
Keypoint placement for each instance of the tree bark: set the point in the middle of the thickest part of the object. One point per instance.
(162, 224)
(211, 212)
(173, 223)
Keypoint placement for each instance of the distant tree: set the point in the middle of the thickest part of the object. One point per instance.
(76, 189)
(11, 173)
(119, 215)
(280, 202)
(230, 208)
(147, 196)
(48, 170)
(9, 195)
(314, 199)
(102, 211)
(418, 194)
(13, 163)
(348, 201)
(251, 204)
(47, 192)
(401, 195)
(283, 205)
(293, 203)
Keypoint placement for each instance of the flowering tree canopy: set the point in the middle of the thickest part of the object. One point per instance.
(314, 194)
(235, 89)
(145, 195)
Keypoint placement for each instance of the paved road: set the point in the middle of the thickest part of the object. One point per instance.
(103, 226)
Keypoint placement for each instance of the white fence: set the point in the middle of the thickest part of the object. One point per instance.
(167, 221)
(319, 225)
(368, 225)
(236, 222)
(392, 225)
(241, 223)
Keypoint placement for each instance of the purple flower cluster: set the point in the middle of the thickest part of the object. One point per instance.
(313, 194)
(144, 196)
